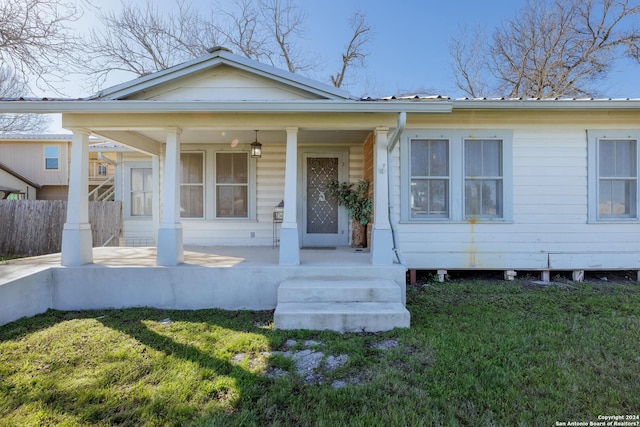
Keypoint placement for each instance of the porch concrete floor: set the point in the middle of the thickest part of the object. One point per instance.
(204, 256)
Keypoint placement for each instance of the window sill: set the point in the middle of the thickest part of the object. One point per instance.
(458, 221)
(614, 221)
(238, 220)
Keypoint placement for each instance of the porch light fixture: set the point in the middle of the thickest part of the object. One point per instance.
(256, 148)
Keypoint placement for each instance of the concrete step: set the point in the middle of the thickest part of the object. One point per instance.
(322, 290)
(342, 316)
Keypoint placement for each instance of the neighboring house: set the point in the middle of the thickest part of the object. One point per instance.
(14, 186)
(508, 184)
(43, 161)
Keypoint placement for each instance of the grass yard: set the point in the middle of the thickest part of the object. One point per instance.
(478, 353)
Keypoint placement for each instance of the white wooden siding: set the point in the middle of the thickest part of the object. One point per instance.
(258, 232)
(224, 84)
(138, 232)
(549, 228)
(239, 232)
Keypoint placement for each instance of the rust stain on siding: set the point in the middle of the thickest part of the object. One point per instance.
(472, 248)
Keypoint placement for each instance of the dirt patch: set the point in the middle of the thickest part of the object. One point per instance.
(312, 365)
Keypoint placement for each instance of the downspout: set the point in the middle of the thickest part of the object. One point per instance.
(395, 137)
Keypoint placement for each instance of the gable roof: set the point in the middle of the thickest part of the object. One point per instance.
(219, 56)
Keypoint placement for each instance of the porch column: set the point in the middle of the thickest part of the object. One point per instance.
(381, 237)
(170, 249)
(289, 238)
(155, 202)
(77, 244)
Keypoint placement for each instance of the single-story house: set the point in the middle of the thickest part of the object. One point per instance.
(457, 184)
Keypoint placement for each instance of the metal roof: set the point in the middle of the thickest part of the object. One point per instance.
(420, 97)
(35, 137)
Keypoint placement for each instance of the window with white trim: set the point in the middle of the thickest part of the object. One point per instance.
(456, 175)
(52, 157)
(613, 175)
(483, 196)
(192, 185)
(429, 178)
(232, 185)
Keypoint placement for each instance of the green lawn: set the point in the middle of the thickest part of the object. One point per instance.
(478, 353)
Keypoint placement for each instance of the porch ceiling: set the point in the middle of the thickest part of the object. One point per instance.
(246, 136)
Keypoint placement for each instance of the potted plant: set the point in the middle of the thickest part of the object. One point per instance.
(354, 197)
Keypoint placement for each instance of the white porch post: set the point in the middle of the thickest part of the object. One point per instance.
(289, 238)
(170, 249)
(77, 244)
(155, 203)
(381, 237)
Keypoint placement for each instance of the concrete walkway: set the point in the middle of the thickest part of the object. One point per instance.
(203, 256)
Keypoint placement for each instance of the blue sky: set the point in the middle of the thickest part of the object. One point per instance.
(409, 49)
(409, 45)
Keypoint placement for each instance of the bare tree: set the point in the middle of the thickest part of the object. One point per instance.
(355, 53)
(284, 22)
(11, 86)
(553, 48)
(467, 52)
(142, 40)
(34, 37)
(242, 30)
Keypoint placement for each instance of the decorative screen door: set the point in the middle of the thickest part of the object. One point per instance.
(325, 222)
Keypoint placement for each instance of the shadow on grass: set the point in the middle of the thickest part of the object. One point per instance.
(179, 384)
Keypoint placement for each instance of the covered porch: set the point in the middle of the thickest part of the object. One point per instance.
(279, 175)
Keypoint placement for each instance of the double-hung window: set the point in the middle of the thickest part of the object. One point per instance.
(232, 185)
(192, 185)
(613, 175)
(483, 195)
(429, 178)
(52, 157)
(456, 175)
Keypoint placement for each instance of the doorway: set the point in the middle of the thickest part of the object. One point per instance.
(325, 223)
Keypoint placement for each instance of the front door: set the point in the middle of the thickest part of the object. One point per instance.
(324, 222)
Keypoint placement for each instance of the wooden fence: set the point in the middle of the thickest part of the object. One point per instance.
(34, 227)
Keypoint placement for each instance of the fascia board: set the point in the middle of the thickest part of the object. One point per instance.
(143, 83)
(548, 105)
(143, 106)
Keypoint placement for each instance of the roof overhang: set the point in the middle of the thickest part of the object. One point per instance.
(144, 106)
(547, 104)
(307, 106)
